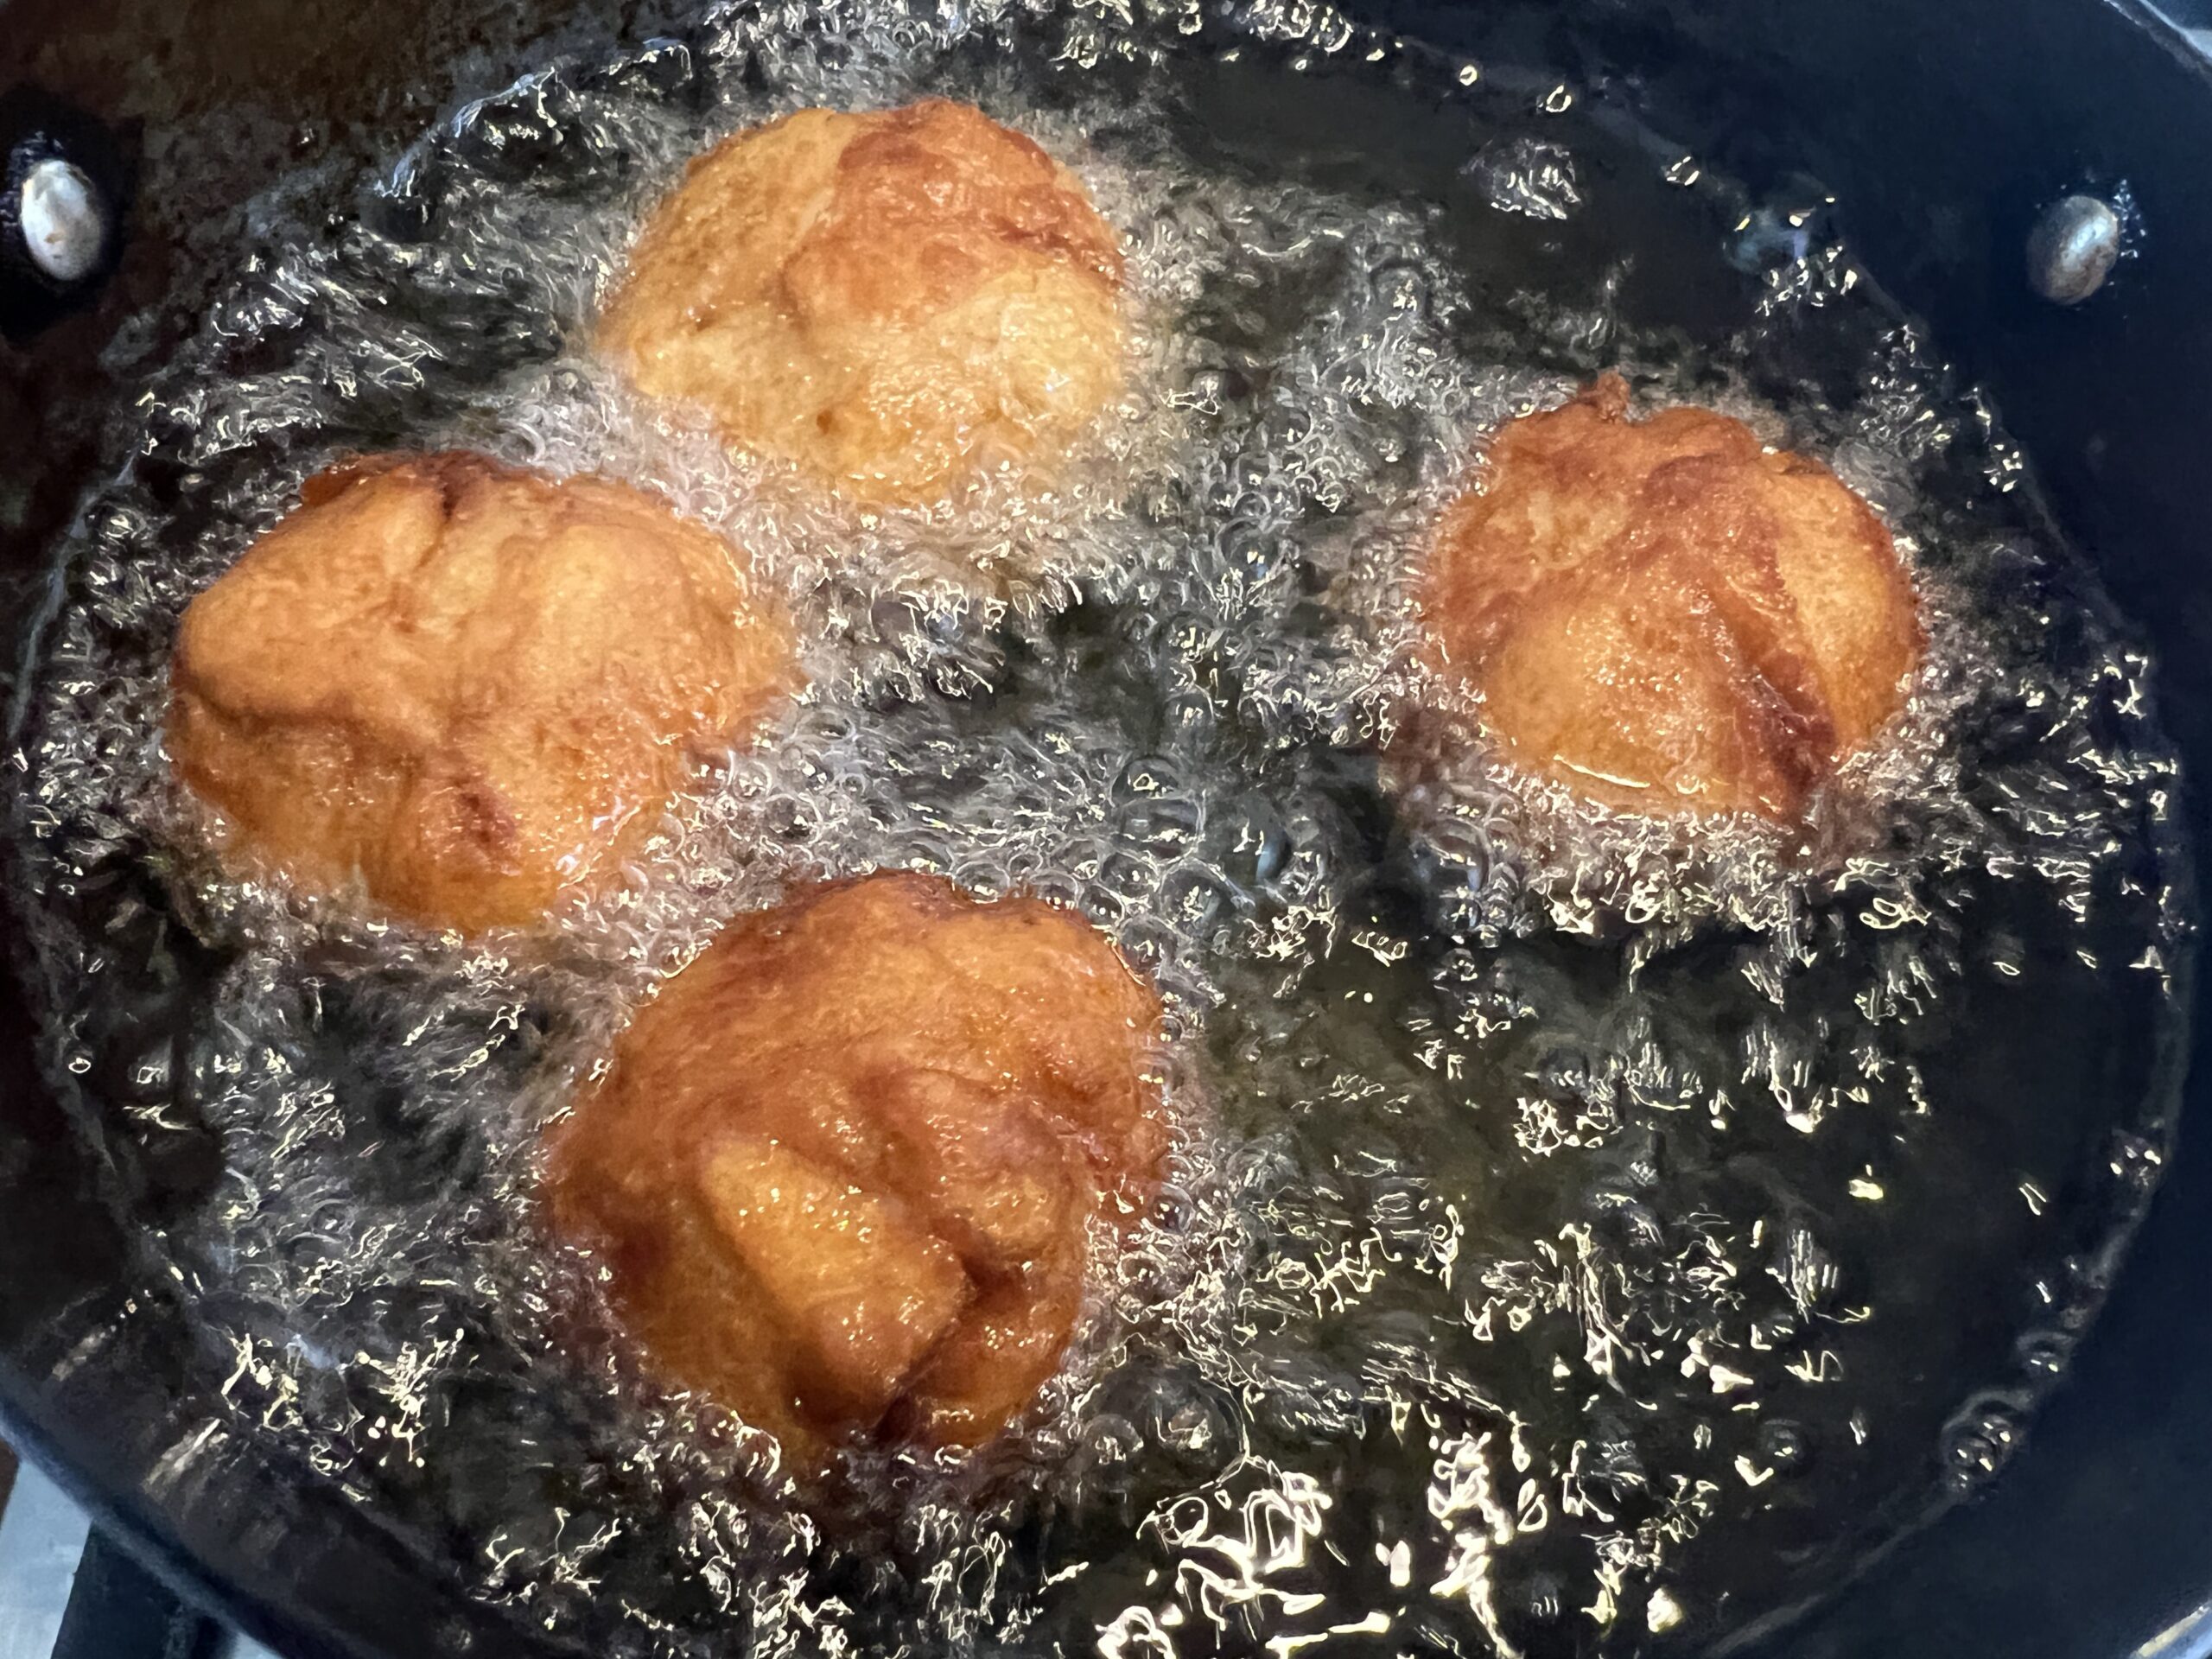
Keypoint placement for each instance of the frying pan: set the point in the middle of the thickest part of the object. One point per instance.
(1942, 128)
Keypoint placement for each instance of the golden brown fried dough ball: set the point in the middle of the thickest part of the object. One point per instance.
(895, 300)
(1664, 616)
(469, 688)
(842, 1167)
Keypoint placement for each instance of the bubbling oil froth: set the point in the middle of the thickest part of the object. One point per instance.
(1494, 1269)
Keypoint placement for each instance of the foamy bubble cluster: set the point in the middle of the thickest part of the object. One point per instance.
(1561, 1232)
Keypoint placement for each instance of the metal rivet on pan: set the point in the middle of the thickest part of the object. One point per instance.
(2071, 249)
(64, 220)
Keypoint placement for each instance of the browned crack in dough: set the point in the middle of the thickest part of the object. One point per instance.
(466, 688)
(1664, 616)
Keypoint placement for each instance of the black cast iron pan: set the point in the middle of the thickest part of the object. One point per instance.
(1943, 130)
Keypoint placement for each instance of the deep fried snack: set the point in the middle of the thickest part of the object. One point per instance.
(1664, 616)
(469, 688)
(895, 300)
(843, 1168)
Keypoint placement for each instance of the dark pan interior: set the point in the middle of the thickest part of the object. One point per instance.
(1942, 128)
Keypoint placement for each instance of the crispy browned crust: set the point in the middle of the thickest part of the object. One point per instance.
(1664, 616)
(842, 1167)
(894, 300)
(465, 686)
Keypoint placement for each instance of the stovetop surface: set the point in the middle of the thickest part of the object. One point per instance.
(65, 1592)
